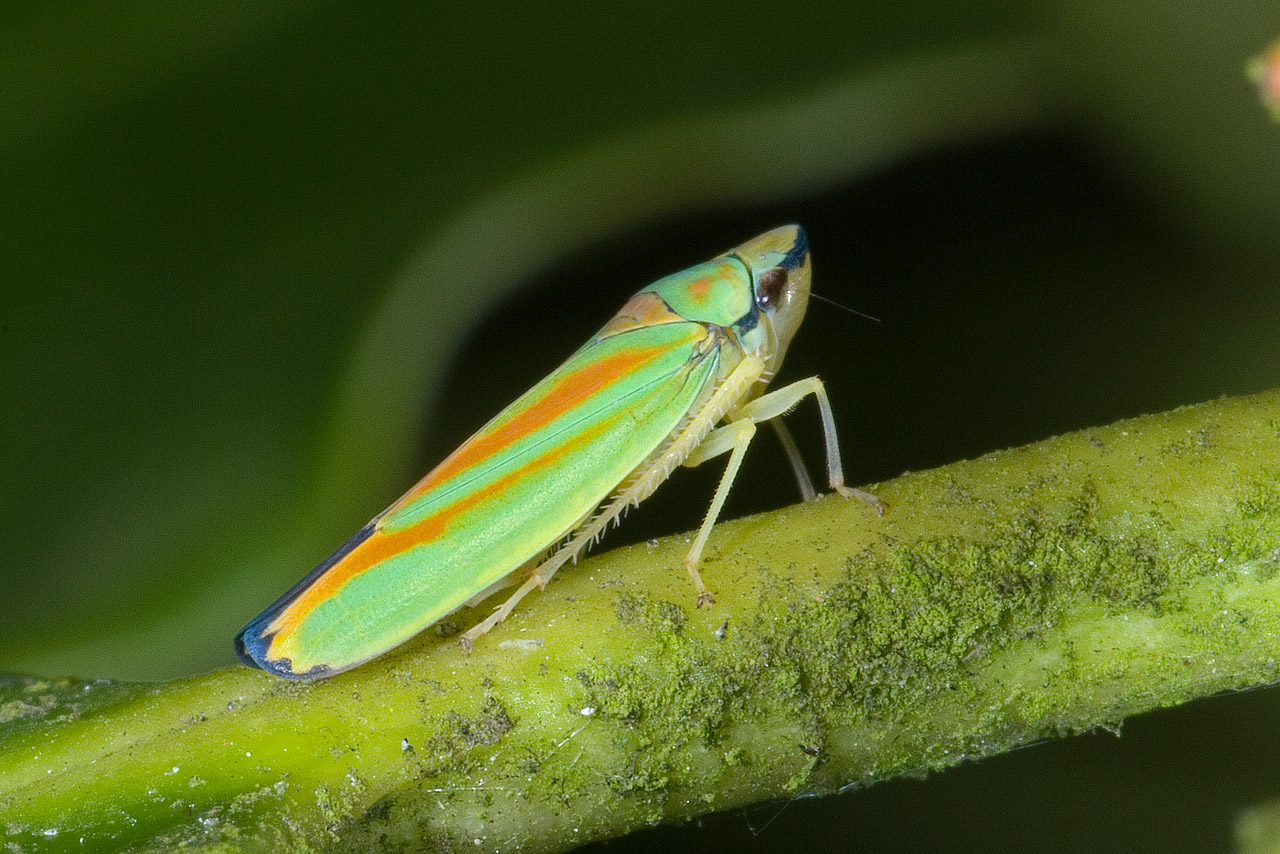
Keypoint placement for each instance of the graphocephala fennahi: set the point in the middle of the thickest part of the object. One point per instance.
(675, 378)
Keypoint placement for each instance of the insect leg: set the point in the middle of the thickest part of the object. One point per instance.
(718, 442)
(500, 613)
(807, 492)
(780, 401)
(735, 436)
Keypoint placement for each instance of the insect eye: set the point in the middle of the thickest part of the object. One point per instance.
(769, 287)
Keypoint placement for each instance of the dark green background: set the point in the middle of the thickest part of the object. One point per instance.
(202, 211)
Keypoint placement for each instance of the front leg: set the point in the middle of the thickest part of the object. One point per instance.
(781, 401)
(734, 437)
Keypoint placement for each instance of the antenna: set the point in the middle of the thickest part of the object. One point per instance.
(845, 307)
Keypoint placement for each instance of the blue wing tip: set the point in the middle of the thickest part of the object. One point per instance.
(252, 643)
(251, 648)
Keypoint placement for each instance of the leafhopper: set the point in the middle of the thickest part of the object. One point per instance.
(677, 377)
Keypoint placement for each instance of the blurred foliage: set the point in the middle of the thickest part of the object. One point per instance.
(211, 218)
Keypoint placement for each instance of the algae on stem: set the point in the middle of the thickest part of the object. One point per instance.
(1033, 592)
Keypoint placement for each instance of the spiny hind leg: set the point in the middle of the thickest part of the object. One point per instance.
(538, 578)
(540, 570)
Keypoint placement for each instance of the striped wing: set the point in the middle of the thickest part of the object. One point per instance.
(509, 492)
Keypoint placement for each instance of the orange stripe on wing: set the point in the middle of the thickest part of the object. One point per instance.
(569, 392)
(381, 545)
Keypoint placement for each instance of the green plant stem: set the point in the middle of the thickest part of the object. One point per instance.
(1030, 593)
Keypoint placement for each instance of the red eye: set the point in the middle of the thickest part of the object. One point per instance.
(769, 287)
